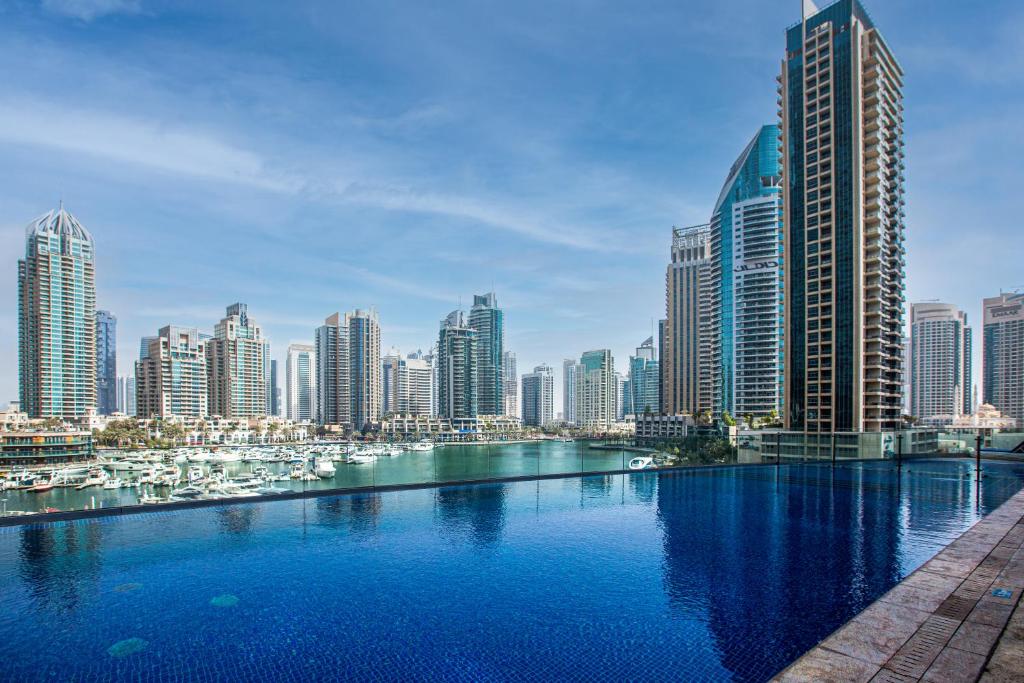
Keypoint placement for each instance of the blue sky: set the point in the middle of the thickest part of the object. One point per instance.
(310, 157)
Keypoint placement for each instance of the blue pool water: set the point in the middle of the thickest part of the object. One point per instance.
(724, 574)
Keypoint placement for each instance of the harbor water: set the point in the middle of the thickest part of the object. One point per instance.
(444, 463)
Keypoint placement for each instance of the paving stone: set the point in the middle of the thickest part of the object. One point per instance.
(975, 637)
(877, 633)
(828, 667)
(955, 665)
(990, 613)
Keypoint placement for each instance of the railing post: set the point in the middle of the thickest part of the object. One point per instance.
(833, 449)
(899, 448)
(778, 448)
(977, 455)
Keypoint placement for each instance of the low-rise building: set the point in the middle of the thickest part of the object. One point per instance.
(44, 447)
(654, 429)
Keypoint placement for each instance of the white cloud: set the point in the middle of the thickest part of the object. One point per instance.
(134, 141)
(87, 10)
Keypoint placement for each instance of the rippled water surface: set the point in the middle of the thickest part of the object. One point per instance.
(725, 574)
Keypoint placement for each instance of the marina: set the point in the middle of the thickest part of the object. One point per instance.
(152, 477)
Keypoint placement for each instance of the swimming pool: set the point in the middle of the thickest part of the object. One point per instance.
(713, 574)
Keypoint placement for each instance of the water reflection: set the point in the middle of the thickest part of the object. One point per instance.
(821, 544)
(57, 563)
(359, 514)
(238, 520)
(475, 512)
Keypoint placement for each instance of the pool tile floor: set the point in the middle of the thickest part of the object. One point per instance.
(958, 618)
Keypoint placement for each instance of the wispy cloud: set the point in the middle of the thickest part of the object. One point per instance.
(135, 141)
(87, 10)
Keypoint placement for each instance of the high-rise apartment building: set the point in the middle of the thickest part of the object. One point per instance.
(348, 378)
(300, 382)
(539, 396)
(940, 367)
(688, 374)
(596, 386)
(1003, 354)
(331, 357)
(841, 100)
(510, 384)
(746, 283)
(489, 322)
(642, 389)
(457, 367)
(57, 318)
(171, 379)
(106, 363)
(570, 370)
(389, 381)
(364, 367)
(129, 396)
(235, 366)
(414, 386)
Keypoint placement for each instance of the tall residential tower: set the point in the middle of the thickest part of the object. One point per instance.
(939, 363)
(841, 105)
(489, 322)
(57, 318)
(106, 363)
(1003, 354)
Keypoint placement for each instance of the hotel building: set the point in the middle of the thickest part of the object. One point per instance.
(841, 109)
(596, 386)
(539, 396)
(688, 369)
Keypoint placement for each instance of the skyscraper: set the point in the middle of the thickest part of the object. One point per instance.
(235, 366)
(364, 367)
(300, 382)
(331, 357)
(570, 369)
(57, 318)
(940, 343)
(510, 384)
(642, 387)
(171, 378)
(275, 388)
(596, 386)
(1003, 354)
(457, 367)
(539, 396)
(106, 363)
(489, 322)
(688, 335)
(746, 283)
(840, 93)
(129, 397)
(389, 381)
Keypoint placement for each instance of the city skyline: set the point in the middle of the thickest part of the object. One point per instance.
(683, 180)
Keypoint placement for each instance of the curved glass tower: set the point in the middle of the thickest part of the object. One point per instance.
(746, 282)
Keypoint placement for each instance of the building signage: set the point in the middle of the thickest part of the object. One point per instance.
(761, 264)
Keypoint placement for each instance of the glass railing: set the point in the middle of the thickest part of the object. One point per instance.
(131, 480)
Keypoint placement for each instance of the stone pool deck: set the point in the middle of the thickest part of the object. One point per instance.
(957, 618)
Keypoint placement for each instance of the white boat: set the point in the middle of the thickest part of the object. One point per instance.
(150, 499)
(195, 474)
(148, 476)
(187, 493)
(199, 456)
(133, 463)
(422, 446)
(95, 477)
(361, 458)
(324, 468)
(641, 462)
(225, 456)
(112, 483)
(298, 469)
